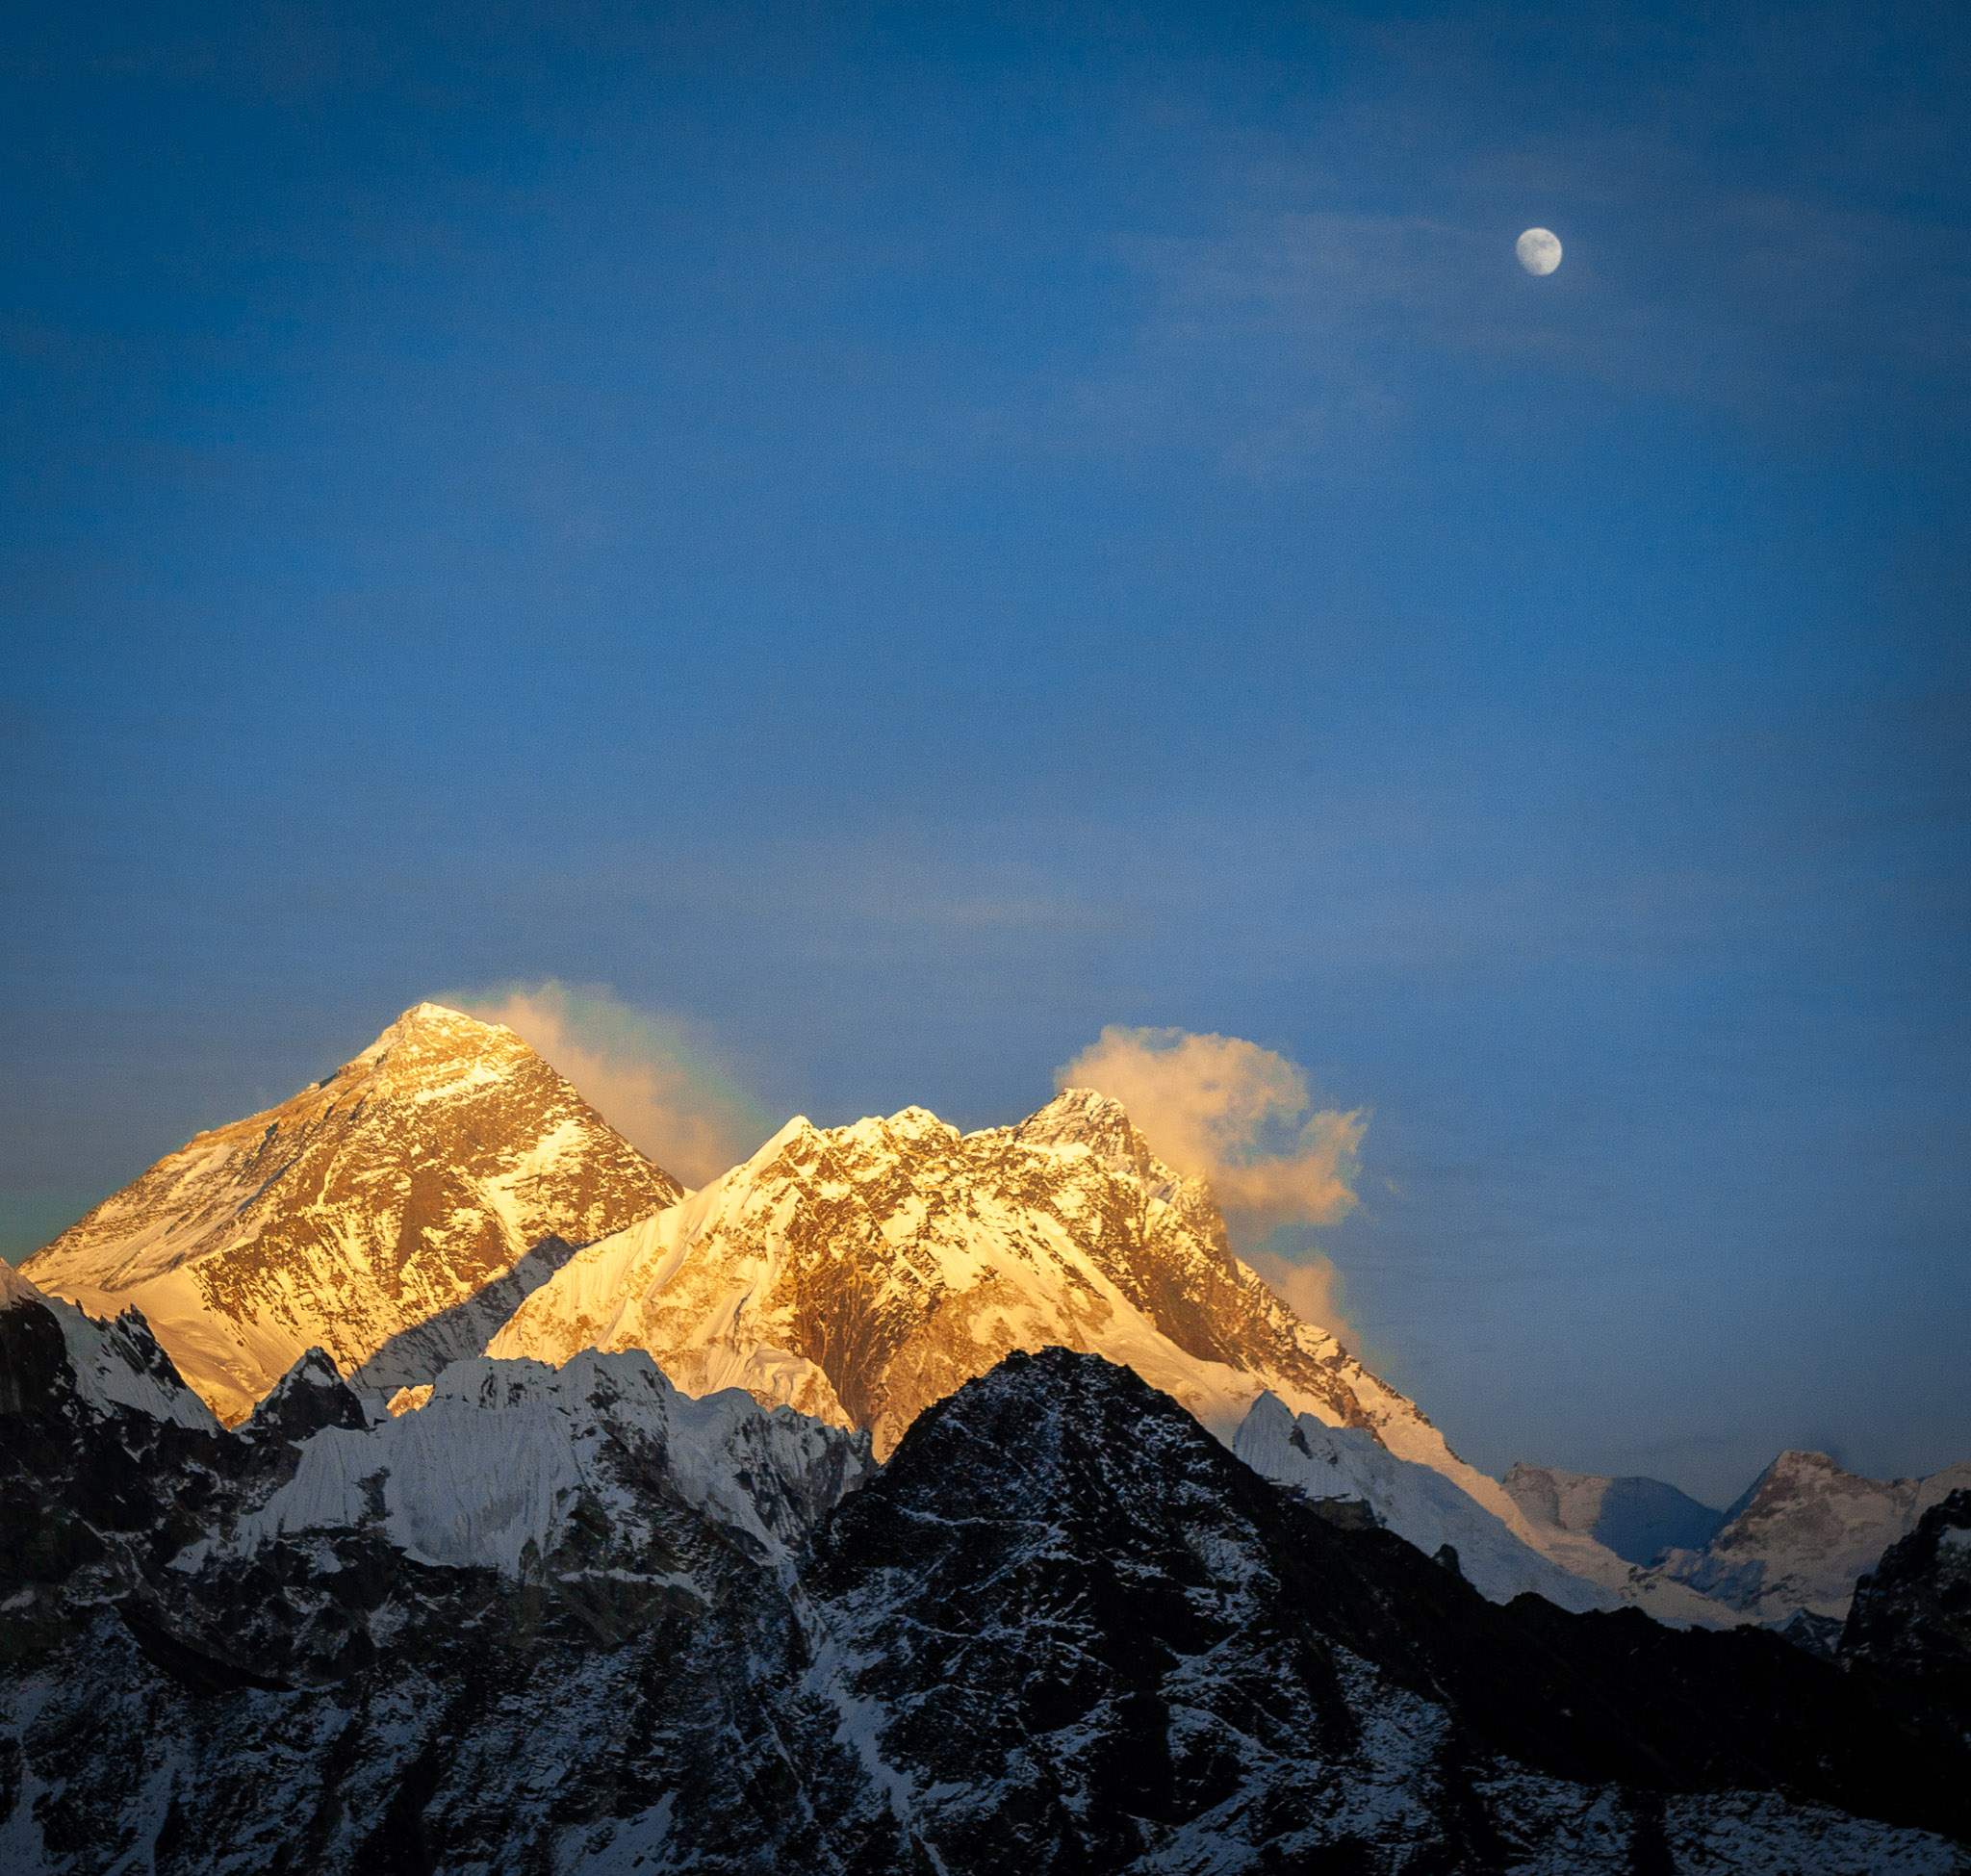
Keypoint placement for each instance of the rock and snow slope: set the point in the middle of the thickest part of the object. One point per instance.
(1912, 1611)
(1640, 1520)
(393, 1214)
(1797, 1540)
(861, 1273)
(115, 1364)
(1423, 1506)
(1803, 1533)
(1062, 1631)
(419, 1207)
(506, 1457)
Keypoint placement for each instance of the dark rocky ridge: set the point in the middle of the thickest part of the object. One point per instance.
(1912, 1612)
(1062, 1630)
(1094, 1502)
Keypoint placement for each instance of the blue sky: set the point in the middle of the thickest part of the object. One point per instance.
(896, 537)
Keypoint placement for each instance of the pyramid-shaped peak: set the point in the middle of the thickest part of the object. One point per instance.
(1083, 1116)
(800, 1127)
(1799, 1466)
(1796, 1477)
(396, 1192)
(1801, 1459)
(310, 1395)
(438, 1025)
(1075, 1116)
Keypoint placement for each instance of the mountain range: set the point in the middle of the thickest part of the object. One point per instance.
(429, 1353)
(1792, 1545)
(571, 1620)
(445, 1194)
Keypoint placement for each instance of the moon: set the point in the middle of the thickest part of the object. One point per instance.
(1539, 251)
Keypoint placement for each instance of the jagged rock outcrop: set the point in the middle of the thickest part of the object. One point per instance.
(1912, 1612)
(1082, 1635)
(393, 1214)
(457, 1638)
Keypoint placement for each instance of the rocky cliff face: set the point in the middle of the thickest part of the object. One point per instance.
(568, 1622)
(395, 1214)
(1912, 1611)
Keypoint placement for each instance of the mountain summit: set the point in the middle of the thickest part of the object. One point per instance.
(446, 1194)
(425, 1203)
(393, 1214)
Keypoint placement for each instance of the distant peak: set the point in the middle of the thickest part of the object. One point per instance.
(1797, 1462)
(1795, 1472)
(443, 1016)
(1084, 1101)
(1076, 1116)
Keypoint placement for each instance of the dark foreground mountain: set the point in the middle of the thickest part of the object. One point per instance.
(1912, 1612)
(571, 1621)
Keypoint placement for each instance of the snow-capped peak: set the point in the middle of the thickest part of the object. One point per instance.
(864, 1273)
(1804, 1533)
(394, 1213)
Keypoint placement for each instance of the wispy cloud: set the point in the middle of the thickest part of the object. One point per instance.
(1232, 1110)
(1239, 1115)
(1313, 1288)
(635, 1069)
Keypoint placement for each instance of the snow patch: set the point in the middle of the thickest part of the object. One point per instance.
(490, 1470)
(1415, 1501)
